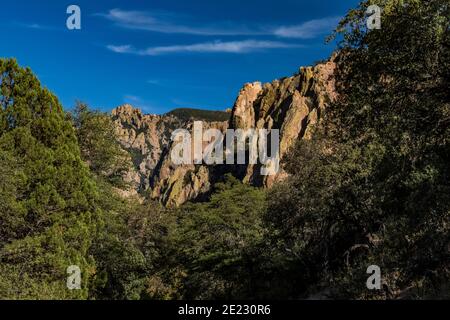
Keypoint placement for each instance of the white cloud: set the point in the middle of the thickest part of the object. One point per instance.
(35, 26)
(309, 29)
(154, 82)
(159, 22)
(121, 49)
(138, 102)
(132, 98)
(164, 23)
(244, 46)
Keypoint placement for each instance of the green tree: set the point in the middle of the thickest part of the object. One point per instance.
(123, 260)
(218, 241)
(372, 187)
(48, 199)
(99, 146)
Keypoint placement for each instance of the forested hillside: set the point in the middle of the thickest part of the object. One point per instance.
(197, 114)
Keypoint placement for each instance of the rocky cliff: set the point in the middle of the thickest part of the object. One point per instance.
(291, 105)
(147, 138)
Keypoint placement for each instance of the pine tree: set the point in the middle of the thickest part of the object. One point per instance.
(49, 212)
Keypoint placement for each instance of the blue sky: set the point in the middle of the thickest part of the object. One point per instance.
(160, 55)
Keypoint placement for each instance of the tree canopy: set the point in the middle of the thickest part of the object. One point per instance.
(48, 198)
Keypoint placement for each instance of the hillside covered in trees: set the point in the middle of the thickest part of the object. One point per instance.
(197, 114)
(369, 184)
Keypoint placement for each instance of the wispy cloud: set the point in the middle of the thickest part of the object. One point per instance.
(35, 26)
(309, 29)
(187, 104)
(171, 83)
(165, 23)
(138, 102)
(131, 98)
(244, 46)
(121, 49)
(154, 82)
(160, 22)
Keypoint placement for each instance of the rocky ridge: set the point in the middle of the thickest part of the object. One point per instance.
(291, 104)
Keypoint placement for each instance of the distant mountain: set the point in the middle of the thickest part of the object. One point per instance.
(186, 114)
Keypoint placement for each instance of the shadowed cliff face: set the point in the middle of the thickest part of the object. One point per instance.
(291, 105)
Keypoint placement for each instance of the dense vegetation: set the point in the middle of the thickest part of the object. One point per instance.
(48, 198)
(371, 187)
(199, 114)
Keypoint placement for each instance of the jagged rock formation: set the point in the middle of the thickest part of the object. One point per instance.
(148, 140)
(144, 137)
(175, 184)
(291, 105)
